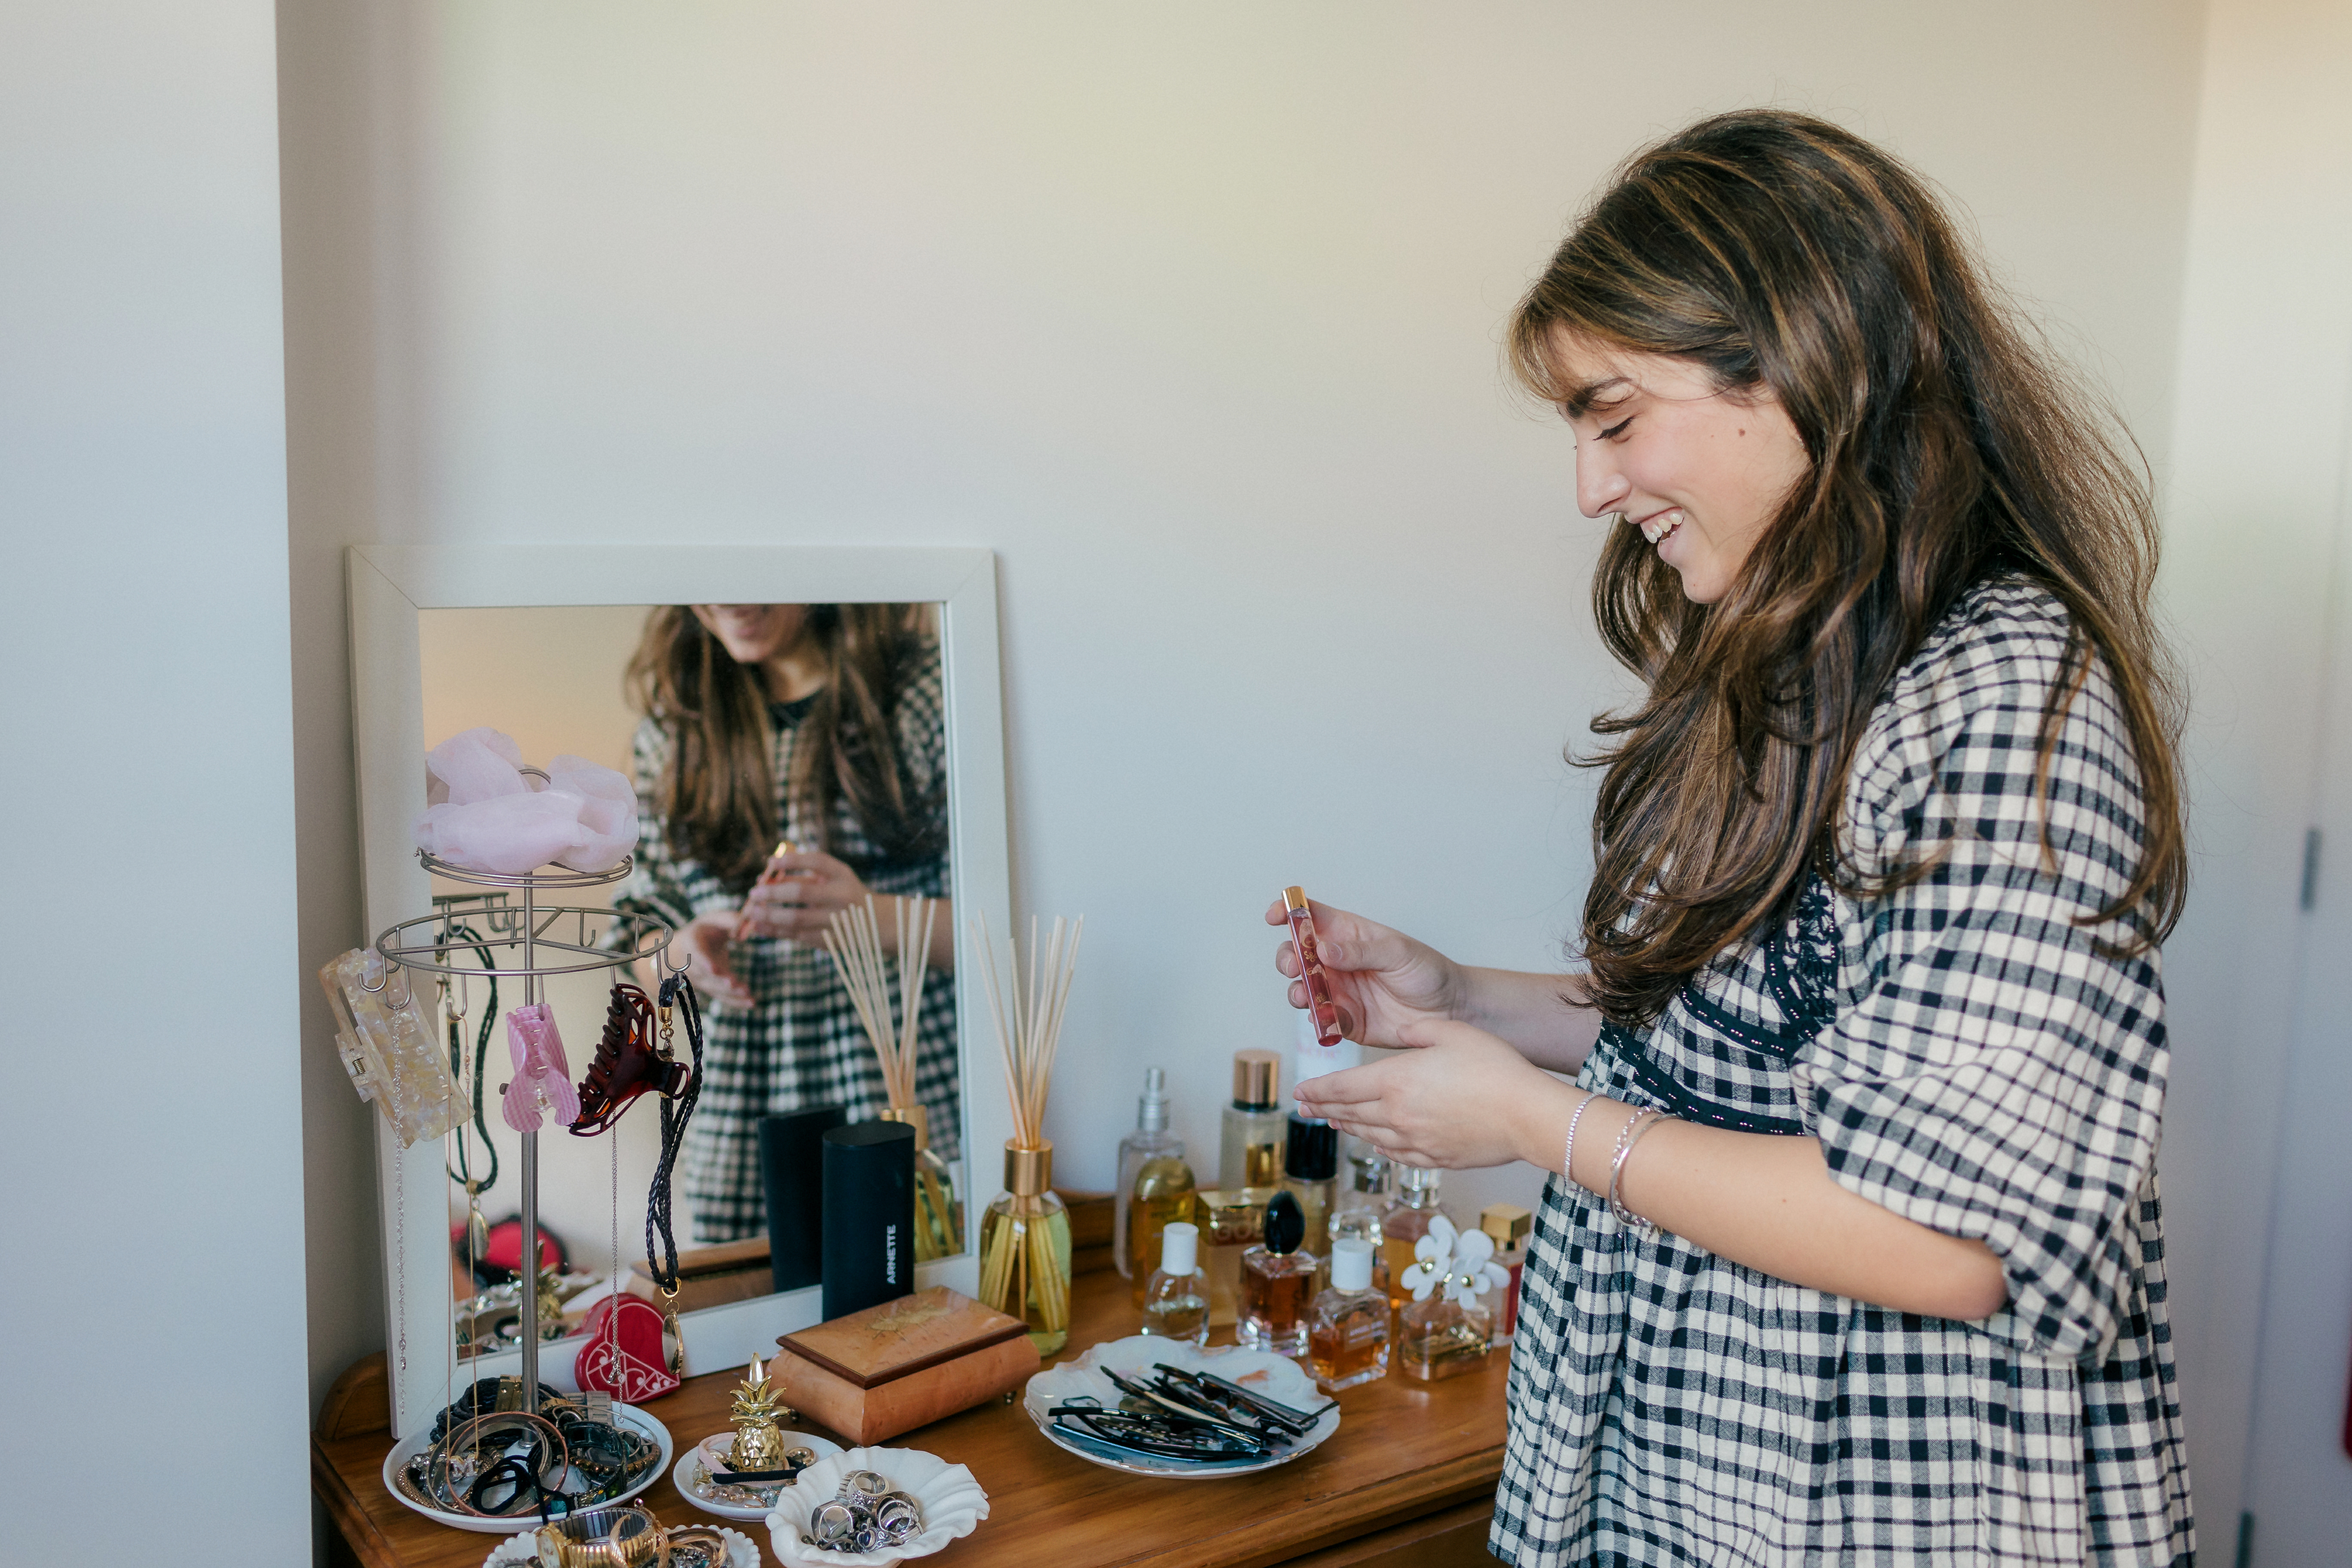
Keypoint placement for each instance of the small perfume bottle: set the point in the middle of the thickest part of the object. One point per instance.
(1363, 1198)
(1319, 1006)
(1441, 1338)
(1348, 1339)
(1278, 1282)
(1251, 1155)
(1231, 1223)
(1176, 1297)
(1310, 1164)
(1406, 1221)
(1151, 1139)
(1163, 1194)
(1508, 1224)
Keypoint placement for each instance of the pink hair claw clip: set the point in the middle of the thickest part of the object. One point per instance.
(542, 1081)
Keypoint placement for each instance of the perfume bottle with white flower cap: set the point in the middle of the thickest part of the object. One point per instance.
(1446, 1331)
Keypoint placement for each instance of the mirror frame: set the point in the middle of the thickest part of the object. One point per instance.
(388, 586)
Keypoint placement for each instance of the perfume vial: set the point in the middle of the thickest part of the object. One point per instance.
(1251, 1154)
(1176, 1297)
(1278, 1282)
(1231, 1223)
(1406, 1221)
(1348, 1337)
(1508, 1224)
(1319, 1006)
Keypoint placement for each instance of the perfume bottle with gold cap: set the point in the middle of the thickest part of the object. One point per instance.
(1256, 1127)
(1509, 1223)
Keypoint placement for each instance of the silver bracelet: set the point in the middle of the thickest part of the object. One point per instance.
(1627, 1136)
(1568, 1161)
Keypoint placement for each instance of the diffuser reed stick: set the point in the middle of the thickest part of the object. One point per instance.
(1024, 1267)
(854, 937)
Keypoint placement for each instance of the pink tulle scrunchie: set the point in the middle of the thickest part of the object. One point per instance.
(485, 814)
(543, 1079)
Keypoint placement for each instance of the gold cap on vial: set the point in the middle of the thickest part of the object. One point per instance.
(1509, 1223)
(1258, 1079)
(1293, 899)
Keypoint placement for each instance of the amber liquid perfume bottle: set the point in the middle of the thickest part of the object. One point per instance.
(1347, 1336)
(1250, 1154)
(1278, 1282)
(1508, 1225)
(1176, 1296)
(1163, 1197)
(1230, 1223)
(1441, 1338)
(1363, 1198)
(1405, 1222)
(1150, 1140)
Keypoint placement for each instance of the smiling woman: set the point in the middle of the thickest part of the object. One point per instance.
(1852, 1251)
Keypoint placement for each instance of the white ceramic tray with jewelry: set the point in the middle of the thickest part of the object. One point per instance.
(416, 1442)
(692, 1475)
(1262, 1372)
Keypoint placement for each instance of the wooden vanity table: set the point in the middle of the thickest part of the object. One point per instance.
(1408, 1479)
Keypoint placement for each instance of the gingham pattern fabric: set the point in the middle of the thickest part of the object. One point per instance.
(799, 1044)
(1967, 1059)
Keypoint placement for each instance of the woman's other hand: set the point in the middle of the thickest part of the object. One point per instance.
(1464, 1100)
(707, 938)
(1383, 980)
(799, 892)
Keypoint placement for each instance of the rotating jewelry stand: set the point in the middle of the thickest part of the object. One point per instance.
(429, 945)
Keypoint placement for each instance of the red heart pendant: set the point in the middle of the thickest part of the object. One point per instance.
(623, 1357)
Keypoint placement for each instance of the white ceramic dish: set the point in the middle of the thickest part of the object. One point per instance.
(408, 1447)
(522, 1551)
(953, 1504)
(695, 1465)
(1261, 1372)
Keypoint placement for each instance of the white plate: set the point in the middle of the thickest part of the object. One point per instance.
(693, 1470)
(416, 1442)
(522, 1551)
(1261, 1372)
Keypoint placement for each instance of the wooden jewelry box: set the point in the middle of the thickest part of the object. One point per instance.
(903, 1365)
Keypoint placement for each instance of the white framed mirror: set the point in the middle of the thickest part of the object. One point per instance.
(535, 626)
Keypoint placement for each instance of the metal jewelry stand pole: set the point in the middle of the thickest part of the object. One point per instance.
(427, 944)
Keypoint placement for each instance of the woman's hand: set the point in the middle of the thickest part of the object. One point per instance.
(1464, 1100)
(801, 891)
(708, 965)
(1383, 980)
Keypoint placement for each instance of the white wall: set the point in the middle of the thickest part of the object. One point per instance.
(2257, 522)
(150, 1157)
(1193, 316)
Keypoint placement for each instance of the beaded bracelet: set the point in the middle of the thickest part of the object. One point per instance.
(1627, 1136)
(1568, 1161)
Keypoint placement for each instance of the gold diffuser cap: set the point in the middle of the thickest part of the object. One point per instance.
(1028, 1171)
(1258, 1079)
(1507, 1222)
(918, 1117)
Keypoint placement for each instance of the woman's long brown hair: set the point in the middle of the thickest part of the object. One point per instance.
(1793, 259)
(718, 792)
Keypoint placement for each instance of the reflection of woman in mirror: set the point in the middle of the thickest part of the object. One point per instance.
(821, 724)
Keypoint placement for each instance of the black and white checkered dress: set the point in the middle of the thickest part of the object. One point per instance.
(799, 1044)
(1969, 1059)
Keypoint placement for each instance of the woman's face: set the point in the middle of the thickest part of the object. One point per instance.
(753, 634)
(1700, 472)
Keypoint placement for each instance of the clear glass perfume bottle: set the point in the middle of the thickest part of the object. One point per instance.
(1150, 1139)
(1363, 1198)
(1278, 1282)
(1250, 1153)
(1508, 1225)
(1311, 1162)
(1441, 1338)
(1230, 1223)
(1163, 1195)
(1176, 1297)
(1347, 1336)
(1406, 1221)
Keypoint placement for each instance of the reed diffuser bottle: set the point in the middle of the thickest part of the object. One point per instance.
(1024, 1237)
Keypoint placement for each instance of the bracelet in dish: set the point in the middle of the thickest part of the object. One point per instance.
(625, 1535)
(1629, 1134)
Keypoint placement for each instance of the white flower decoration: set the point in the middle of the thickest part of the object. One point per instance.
(1460, 1262)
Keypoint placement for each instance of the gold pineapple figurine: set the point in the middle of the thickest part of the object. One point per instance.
(758, 1444)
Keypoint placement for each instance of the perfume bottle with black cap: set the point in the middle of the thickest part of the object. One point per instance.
(1278, 1282)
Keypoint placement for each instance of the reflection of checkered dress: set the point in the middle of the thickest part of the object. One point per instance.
(1968, 1059)
(799, 1044)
